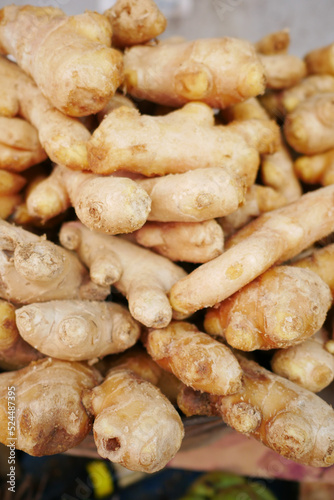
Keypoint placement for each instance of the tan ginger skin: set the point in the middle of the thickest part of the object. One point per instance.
(30, 34)
(321, 261)
(309, 86)
(109, 205)
(217, 71)
(282, 307)
(135, 22)
(145, 277)
(282, 70)
(271, 238)
(287, 418)
(194, 358)
(77, 330)
(316, 169)
(308, 364)
(33, 269)
(135, 425)
(195, 242)
(9, 204)
(49, 414)
(321, 61)
(127, 140)
(309, 129)
(274, 43)
(11, 183)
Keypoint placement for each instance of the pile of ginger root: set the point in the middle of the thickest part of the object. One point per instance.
(144, 181)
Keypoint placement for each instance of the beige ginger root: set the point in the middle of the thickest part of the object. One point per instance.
(146, 277)
(287, 418)
(316, 169)
(110, 204)
(135, 425)
(194, 358)
(321, 261)
(135, 22)
(49, 415)
(308, 364)
(115, 102)
(10, 183)
(82, 74)
(76, 330)
(195, 242)
(271, 238)
(8, 204)
(321, 61)
(282, 70)
(33, 269)
(274, 43)
(309, 86)
(282, 307)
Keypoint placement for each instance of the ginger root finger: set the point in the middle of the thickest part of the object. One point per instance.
(77, 330)
(316, 169)
(135, 22)
(82, 74)
(8, 204)
(146, 277)
(274, 43)
(194, 358)
(271, 238)
(135, 425)
(115, 102)
(321, 261)
(282, 307)
(321, 61)
(49, 415)
(10, 183)
(195, 242)
(306, 88)
(308, 364)
(282, 70)
(217, 71)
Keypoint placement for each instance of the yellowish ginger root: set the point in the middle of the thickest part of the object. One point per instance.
(274, 43)
(49, 414)
(76, 330)
(309, 86)
(308, 364)
(10, 183)
(287, 418)
(282, 70)
(282, 307)
(309, 129)
(321, 261)
(183, 140)
(194, 358)
(195, 242)
(8, 204)
(135, 22)
(271, 238)
(110, 204)
(146, 277)
(33, 269)
(316, 169)
(135, 425)
(115, 102)
(217, 71)
(321, 61)
(82, 74)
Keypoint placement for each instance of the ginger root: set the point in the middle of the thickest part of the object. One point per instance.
(321, 61)
(316, 169)
(282, 70)
(274, 43)
(309, 86)
(321, 261)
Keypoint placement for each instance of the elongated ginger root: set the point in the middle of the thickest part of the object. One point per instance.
(316, 169)
(321, 61)
(282, 307)
(309, 129)
(217, 71)
(135, 425)
(287, 418)
(49, 415)
(135, 22)
(82, 74)
(307, 364)
(145, 279)
(321, 261)
(110, 204)
(271, 238)
(33, 269)
(282, 70)
(183, 140)
(77, 330)
(274, 43)
(195, 242)
(194, 358)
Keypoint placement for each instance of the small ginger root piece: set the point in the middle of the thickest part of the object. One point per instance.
(110, 204)
(115, 102)
(82, 74)
(308, 364)
(195, 242)
(309, 129)
(49, 415)
(146, 277)
(280, 308)
(194, 358)
(306, 88)
(321, 261)
(135, 22)
(135, 425)
(8, 204)
(287, 418)
(316, 169)
(33, 269)
(271, 238)
(76, 330)
(183, 140)
(217, 71)
(282, 70)
(274, 43)
(10, 183)
(321, 61)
